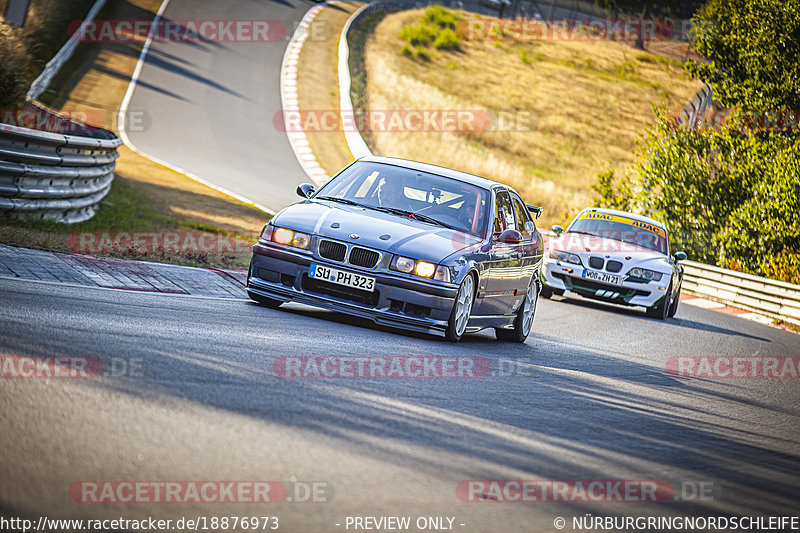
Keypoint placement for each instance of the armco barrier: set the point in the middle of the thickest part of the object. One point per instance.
(763, 296)
(54, 65)
(57, 176)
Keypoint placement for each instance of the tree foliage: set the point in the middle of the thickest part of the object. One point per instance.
(753, 48)
(728, 196)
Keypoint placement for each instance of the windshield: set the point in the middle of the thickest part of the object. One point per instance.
(623, 229)
(406, 192)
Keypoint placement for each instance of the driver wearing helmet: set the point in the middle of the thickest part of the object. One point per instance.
(390, 194)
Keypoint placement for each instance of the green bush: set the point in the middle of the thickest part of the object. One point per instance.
(447, 40)
(418, 35)
(436, 28)
(438, 16)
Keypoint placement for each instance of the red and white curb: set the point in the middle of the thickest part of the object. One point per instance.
(697, 301)
(289, 96)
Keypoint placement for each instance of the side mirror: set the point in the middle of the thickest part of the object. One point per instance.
(509, 236)
(680, 256)
(305, 190)
(534, 209)
(558, 230)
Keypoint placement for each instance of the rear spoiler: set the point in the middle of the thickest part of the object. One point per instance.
(537, 210)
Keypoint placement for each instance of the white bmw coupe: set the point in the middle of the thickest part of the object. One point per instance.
(617, 257)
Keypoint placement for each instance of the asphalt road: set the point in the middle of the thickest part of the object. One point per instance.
(210, 105)
(587, 397)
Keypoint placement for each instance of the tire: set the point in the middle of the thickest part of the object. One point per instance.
(263, 300)
(661, 311)
(524, 321)
(546, 292)
(674, 307)
(462, 309)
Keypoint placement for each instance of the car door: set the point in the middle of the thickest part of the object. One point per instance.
(502, 278)
(529, 248)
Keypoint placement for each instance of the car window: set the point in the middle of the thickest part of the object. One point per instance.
(521, 216)
(451, 202)
(621, 229)
(504, 213)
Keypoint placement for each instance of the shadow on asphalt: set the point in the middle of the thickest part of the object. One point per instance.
(552, 410)
(638, 314)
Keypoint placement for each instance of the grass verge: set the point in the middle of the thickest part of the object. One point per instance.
(145, 196)
(570, 108)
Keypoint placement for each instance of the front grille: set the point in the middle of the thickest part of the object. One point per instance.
(613, 266)
(596, 262)
(340, 291)
(335, 251)
(363, 257)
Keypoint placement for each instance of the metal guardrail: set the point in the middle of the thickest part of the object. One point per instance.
(763, 296)
(54, 65)
(697, 107)
(52, 175)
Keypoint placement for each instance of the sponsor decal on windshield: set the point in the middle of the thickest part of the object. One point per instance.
(591, 215)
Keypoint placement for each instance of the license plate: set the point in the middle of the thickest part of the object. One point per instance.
(605, 278)
(341, 277)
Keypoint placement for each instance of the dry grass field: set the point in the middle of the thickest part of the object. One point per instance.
(580, 106)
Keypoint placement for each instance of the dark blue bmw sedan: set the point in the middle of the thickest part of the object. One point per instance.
(409, 245)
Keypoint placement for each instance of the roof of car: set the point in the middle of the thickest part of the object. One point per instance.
(466, 177)
(626, 214)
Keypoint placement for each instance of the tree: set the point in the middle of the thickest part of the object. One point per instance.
(754, 51)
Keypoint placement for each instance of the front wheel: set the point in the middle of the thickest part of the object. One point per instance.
(674, 307)
(462, 308)
(661, 311)
(524, 320)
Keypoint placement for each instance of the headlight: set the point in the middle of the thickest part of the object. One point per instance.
(403, 264)
(565, 257)
(422, 269)
(287, 237)
(643, 273)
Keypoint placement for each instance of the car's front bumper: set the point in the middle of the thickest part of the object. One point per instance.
(282, 274)
(570, 277)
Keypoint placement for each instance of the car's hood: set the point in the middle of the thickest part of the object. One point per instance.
(629, 254)
(407, 237)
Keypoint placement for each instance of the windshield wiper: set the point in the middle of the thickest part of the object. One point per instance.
(416, 216)
(340, 200)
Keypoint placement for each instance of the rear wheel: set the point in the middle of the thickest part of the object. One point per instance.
(524, 321)
(462, 308)
(263, 300)
(661, 311)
